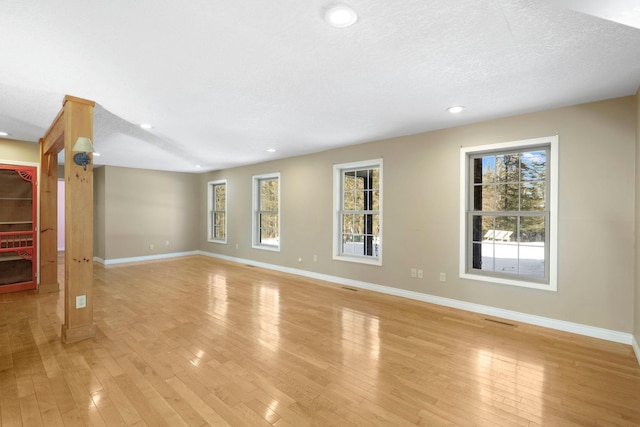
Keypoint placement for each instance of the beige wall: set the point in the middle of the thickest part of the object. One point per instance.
(421, 211)
(99, 204)
(21, 151)
(145, 207)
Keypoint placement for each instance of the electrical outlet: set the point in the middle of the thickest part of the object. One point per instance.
(151, 247)
(414, 272)
(315, 258)
(420, 274)
(443, 277)
(81, 301)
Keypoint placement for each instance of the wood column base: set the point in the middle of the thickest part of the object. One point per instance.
(70, 335)
(47, 288)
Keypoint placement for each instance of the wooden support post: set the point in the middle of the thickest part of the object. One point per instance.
(78, 263)
(50, 145)
(48, 221)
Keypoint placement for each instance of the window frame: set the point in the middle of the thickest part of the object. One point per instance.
(256, 212)
(549, 143)
(338, 189)
(211, 185)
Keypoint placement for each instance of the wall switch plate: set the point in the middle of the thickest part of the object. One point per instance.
(414, 272)
(81, 301)
(443, 277)
(420, 274)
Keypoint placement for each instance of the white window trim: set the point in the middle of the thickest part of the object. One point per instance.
(210, 201)
(465, 152)
(337, 204)
(256, 205)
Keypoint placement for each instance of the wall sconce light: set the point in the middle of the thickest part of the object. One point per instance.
(84, 146)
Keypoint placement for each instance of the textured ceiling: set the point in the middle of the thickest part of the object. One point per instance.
(221, 82)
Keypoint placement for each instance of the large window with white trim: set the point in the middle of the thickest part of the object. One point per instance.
(358, 212)
(266, 211)
(217, 211)
(509, 213)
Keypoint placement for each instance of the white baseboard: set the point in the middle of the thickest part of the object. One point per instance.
(561, 325)
(144, 258)
(636, 348)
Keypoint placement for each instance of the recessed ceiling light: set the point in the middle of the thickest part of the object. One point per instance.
(341, 16)
(146, 126)
(455, 109)
(96, 154)
(271, 150)
(197, 166)
(4, 134)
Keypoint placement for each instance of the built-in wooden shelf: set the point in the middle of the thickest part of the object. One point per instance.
(18, 202)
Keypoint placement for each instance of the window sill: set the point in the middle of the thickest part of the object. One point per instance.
(222, 242)
(267, 248)
(511, 282)
(358, 260)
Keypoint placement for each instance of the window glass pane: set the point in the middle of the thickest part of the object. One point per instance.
(349, 201)
(219, 225)
(269, 195)
(506, 258)
(376, 200)
(488, 172)
(532, 196)
(483, 227)
(348, 224)
(506, 228)
(507, 197)
(375, 174)
(376, 225)
(359, 200)
(533, 166)
(484, 254)
(508, 167)
(220, 195)
(269, 229)
(347, 244)
(484, 197)
(532, 262)
(532, 229)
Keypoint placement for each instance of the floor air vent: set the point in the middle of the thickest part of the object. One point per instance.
(500, 322)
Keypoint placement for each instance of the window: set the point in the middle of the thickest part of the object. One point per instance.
(508, 223)
(266, 211)
(358, 212)
(217, 218)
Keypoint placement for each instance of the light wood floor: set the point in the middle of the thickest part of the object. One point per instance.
(197, 341)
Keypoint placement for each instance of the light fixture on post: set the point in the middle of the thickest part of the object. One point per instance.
(83, 145)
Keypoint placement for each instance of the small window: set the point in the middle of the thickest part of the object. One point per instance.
(509, 213)
(266, 211)
(358, 212)
(217, 212)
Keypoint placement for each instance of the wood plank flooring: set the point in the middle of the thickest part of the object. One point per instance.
(197, 341)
